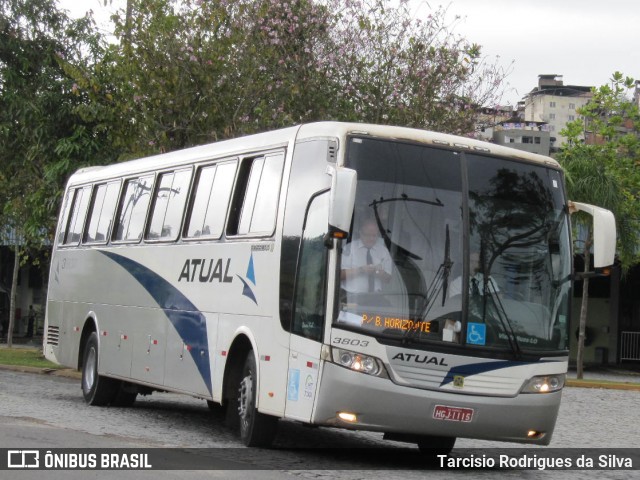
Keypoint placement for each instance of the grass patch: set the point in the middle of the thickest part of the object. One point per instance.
(26, 357)
(592, 383)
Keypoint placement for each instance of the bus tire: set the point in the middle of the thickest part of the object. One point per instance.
(256, 429)
(96, 389)
(432, 446)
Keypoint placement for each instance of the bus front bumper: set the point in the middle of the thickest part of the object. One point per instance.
(380, 405)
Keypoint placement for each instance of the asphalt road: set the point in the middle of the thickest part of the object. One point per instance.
(43, 411)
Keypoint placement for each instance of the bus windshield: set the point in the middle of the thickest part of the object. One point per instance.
(456, 248)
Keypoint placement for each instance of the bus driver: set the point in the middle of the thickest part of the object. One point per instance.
(366, 264)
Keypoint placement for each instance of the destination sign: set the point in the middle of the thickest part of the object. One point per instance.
(397, 323)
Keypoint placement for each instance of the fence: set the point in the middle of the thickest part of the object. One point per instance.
(630, 346)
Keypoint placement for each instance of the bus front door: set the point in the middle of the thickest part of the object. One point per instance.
(302, 380)
(309, 312)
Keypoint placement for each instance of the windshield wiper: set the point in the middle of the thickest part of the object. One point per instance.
(490, 290)
(446, 265)
(439, 283)
(406, 198)
(383, 232)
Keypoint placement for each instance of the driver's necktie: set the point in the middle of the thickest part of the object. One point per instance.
(372, 278)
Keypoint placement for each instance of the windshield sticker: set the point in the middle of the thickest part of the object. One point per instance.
(521, 339)
(476, 333)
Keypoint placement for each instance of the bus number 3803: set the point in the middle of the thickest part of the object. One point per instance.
(354, 342)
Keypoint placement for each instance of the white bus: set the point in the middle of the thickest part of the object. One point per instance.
(346, 275)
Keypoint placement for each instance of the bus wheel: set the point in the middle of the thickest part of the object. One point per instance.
(256, 429)
(432, 445)
(96, 389)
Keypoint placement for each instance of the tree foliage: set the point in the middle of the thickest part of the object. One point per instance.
(189, 72)
(601, 161)
(42, 137)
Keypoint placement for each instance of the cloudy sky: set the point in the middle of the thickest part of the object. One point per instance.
(585, 41)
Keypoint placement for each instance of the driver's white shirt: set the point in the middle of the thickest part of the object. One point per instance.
(355, 256)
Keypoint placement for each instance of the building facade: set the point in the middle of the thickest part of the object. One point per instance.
(488, 120)
(531, 137)
(555, 104)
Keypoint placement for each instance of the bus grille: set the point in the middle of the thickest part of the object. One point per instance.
(488, 383)
(53, 335)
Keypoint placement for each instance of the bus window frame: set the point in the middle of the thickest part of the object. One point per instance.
(74, 202)
(152, 204)
(123, 190)
(238, 194)
(195, 179)
(63, 222)
(94, 192)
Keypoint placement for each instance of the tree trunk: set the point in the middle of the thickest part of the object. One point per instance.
(127, 29)
(14, 294)
(583, 309)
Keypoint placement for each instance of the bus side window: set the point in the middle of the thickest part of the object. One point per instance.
(103, 205)
(64, 218)
(168, 207)
(77, 216)
(210, 200)
(133, 209)
(256, 198)
(311, 284)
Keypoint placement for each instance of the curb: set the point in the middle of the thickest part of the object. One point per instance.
(56, 372)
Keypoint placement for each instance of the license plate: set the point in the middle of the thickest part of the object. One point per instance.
(453, 414)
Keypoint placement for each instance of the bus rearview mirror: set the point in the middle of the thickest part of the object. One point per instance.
(342, 199)
(604, 233)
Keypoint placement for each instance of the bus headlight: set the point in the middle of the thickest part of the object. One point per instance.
(544, 384)
(358, 362)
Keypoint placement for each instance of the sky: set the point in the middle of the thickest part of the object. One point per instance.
(585, 41)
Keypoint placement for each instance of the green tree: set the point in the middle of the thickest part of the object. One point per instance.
(394, 67)
(189, 72)
(601, 163)
(42, 139)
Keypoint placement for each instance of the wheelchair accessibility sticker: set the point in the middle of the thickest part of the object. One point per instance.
(476, 333)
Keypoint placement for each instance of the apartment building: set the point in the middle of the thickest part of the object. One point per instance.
(531, 137)
(555, 104)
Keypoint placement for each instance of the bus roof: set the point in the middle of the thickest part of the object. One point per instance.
(288, 135)
(341, 130)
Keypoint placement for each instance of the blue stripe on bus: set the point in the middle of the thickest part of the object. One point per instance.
(184, 316)
(478, 368)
